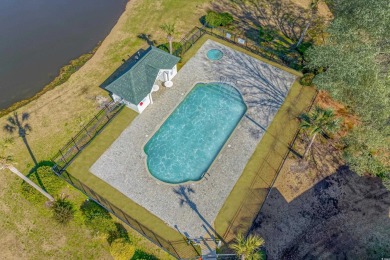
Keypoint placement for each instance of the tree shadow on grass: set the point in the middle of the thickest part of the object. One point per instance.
(20, 125)
(119, 232)
(342, 216)
(139, 254)
(34, 171)
(147, 38)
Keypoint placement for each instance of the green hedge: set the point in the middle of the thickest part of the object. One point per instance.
(214, 19)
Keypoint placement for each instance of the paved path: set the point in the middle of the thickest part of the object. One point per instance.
(192, 208)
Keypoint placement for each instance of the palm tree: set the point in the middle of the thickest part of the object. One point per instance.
(247, 248)
(14, 123)
(5, 163)
(169, 29)
(320, 121)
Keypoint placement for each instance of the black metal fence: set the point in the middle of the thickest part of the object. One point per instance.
(260, 188)
(76, 144)
(239, 40)
(187, 41)
(180, 249)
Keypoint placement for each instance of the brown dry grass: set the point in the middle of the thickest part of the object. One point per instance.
(349, 120)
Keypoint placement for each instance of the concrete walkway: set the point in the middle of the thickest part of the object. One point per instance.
(192, 208)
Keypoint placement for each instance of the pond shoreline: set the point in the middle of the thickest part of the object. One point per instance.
(44, 40)
(63, 75)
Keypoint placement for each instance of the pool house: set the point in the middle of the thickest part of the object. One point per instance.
(134, 87)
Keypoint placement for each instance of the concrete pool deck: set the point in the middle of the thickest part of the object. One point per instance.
(192, 208)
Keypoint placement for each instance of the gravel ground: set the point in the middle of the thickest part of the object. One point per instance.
(192, 207)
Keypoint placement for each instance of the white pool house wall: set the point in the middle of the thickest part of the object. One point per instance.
(137, 108)
(167, 75)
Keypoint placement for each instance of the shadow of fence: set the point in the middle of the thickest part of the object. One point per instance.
(76, 144)
(179, 249)
(265, 171)
(239, 40)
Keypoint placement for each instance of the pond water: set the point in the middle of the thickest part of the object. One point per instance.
(38, 37)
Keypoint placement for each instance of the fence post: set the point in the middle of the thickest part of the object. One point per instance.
(62, 156)
(140, 226)
(106, 111)
(75, 144)
(87, 132)
(177, 254)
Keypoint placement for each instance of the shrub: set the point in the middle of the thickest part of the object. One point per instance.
(307, 79)
(63, 210)
(122, 250)
(226, 19)
(214, 19)
(266, 34)
(119, 232)
(304, 47)
(139, 254)
(97, 218)
(165, 46)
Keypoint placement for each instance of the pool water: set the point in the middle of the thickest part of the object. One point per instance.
(189, 140)
(214, 54)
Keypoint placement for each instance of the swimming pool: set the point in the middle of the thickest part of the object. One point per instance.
(189, 140)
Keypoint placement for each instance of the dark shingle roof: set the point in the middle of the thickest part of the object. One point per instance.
(134, 84)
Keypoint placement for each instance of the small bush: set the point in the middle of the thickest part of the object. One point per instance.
(226, 19)
(122, 250)
(97, 218)
(119, 232)
(139, 254)
(165, 46)
(266, 34)
(307, 79)
(214, 19)
(63, 210)
(304, 46)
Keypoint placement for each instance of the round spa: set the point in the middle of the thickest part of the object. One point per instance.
(214, 54)
(189, 140)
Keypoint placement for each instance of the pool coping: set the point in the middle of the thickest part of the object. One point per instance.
(220, 150)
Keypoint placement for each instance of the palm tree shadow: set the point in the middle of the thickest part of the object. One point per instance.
(183, 193)
(14, 123)
(147, 38)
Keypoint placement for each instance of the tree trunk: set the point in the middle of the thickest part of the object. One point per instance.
(170, 39)
(21, 175)
(242, 257)
(304, 32)
(309, 146)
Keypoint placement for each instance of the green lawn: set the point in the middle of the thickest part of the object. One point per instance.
(250, 191)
